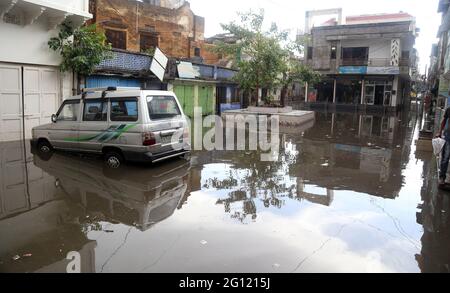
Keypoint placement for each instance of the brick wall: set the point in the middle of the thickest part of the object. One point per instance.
(179, 30)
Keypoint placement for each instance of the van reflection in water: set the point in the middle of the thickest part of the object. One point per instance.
(84, 195)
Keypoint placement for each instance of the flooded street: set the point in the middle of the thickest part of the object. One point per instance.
(348, 194)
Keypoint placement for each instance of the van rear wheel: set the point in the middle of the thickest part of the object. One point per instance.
(113, 160)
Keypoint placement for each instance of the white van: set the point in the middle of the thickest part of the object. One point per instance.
(120, 123)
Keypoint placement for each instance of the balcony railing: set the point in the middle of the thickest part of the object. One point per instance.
(354, 62)
(374, 62)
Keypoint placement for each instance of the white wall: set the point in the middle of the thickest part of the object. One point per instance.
(27, 44)
(395, 101)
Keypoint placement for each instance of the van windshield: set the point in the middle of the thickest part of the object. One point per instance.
(162, 107)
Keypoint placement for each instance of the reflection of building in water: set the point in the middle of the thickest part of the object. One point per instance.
(323, 198)
(22, 186)
(339, 152)
(34, 219)
(434, 216)
(345, 147)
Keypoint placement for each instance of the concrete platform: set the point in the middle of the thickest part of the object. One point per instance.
(287, 118)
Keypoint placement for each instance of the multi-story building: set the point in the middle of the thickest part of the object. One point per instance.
(140, 26)
(439, 74)
(366, 62)
(135, 28)
(31, 85)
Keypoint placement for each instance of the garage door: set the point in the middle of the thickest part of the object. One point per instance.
(41, 96)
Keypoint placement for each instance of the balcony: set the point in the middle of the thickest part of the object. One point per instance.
(27, 12)
(354, 62)
(386, 62)
(375, 62)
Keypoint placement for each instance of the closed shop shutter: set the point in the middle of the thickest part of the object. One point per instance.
(206, 99)
(185, 94)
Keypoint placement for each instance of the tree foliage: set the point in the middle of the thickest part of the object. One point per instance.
(81, 49)
(265, 58)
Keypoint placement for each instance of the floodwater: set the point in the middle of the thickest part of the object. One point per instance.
(348, 194)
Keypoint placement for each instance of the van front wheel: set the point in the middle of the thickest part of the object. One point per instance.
(44, 147)
(45, 150)
(113, 160)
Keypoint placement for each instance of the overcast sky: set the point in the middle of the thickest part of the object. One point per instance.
(290, 14)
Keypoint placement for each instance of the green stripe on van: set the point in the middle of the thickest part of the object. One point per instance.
(112, 133)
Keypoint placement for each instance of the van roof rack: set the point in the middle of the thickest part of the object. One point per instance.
(104, 90)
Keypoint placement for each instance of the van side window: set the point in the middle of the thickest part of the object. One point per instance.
(95, 110)
(69, 111)
(124, 110)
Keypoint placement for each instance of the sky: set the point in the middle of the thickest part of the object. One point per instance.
(290, 14)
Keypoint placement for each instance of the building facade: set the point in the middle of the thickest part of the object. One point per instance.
(366, 63)
(31, 85)
(136, 28)
(141, 26)
(439, 73)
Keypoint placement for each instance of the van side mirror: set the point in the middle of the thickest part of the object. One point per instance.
(54, 118)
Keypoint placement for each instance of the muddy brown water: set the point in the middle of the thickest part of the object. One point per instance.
(348, 194)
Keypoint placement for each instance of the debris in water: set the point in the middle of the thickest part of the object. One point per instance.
(108, 231)
(16, 257)
(203, 242)
(27, 255)
(325, 165)
(276, 265)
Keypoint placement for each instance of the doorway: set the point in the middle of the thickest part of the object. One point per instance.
(379, 95)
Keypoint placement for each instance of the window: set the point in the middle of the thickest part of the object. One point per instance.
(405, 54)
(359, 54)
(124, 110)
(95, 111)
(117, 39)
(162, 107)
(148, 41)
(333, 52)
(309, 53)
(197, 52)
(69, 111)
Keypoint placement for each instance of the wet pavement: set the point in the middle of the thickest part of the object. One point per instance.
(348, 194)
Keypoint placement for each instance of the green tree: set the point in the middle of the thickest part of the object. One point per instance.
(81, 49)
(257, 53)
(297, 71)
(265, 58)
